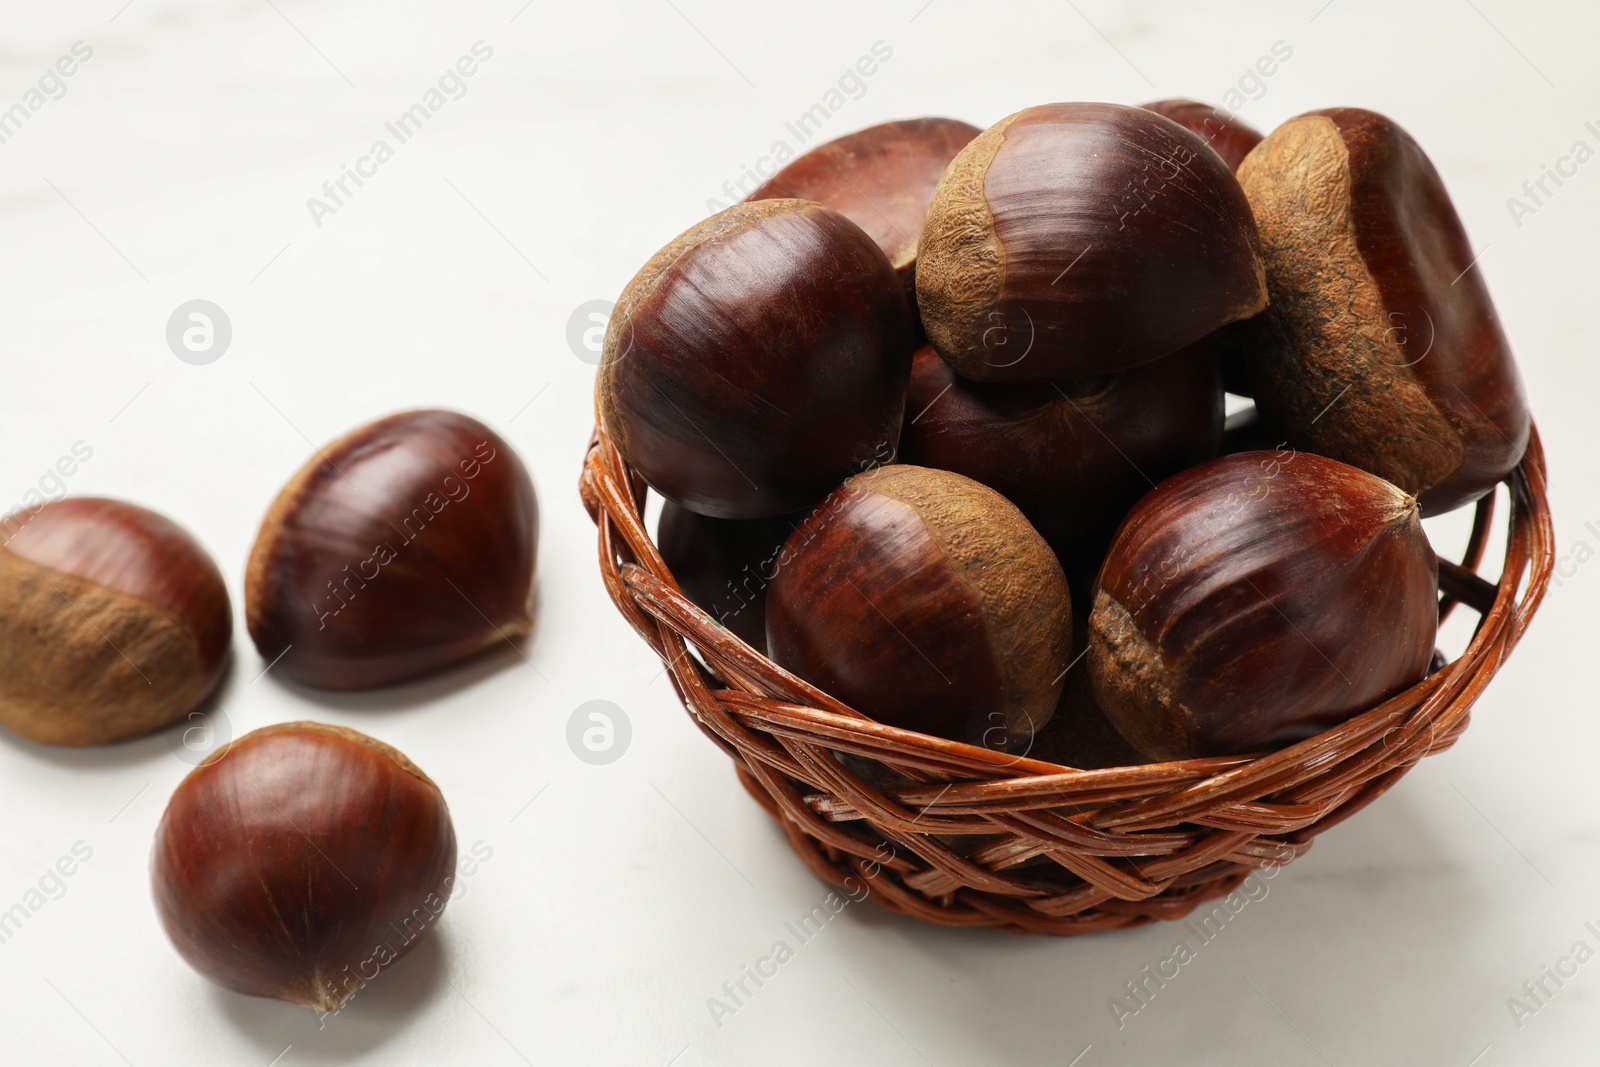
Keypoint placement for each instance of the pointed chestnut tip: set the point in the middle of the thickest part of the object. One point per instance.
(114, 622)
(405, 546)
(513, 629)
(327, 1000)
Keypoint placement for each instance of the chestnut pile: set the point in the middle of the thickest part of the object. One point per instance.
(301, 859)
(937, 414)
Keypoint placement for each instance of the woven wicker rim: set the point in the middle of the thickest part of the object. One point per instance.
(1049, 849)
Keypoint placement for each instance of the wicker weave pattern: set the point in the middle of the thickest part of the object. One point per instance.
(979, 838)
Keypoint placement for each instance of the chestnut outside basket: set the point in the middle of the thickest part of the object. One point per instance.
(981, 838)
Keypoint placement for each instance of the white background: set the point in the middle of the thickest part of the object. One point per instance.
(178, 165)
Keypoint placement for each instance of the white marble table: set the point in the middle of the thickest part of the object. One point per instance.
(614, 901)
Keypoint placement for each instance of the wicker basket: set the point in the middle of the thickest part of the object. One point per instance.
(973, 837)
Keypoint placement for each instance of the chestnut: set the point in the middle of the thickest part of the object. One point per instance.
(403, 547)
(1072, 240)
(880, 178)
(114, 622)
(725, 565)
(1074, 456)
(1258, 599)
(1225, 134)
(924, 600)
(300, 860)
(758, 360)
(1381, 345)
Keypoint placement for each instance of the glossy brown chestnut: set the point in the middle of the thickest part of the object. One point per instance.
(725, 565)
(114, 622)
(1382, 347)
(925, 600)
(880, 178)
(1258, 599)
(403, 547)
(1227, 135)
(301, 860)
(1074, 456)
(1072, 240)
(758, 360)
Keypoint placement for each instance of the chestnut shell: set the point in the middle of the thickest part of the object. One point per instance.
(114, 622)
(1071, 240)
(405, 546)
(300, 860)
(925, 600)
(1258, 599)
(1381, 346)
(758, 360)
